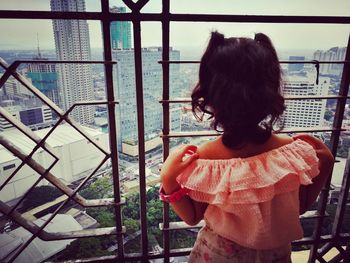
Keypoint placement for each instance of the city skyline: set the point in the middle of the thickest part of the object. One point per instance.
(285, 36)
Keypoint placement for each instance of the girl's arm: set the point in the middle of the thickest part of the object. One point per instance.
(187, 209)
(309, 193)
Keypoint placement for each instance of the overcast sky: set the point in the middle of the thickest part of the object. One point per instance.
(22, 34)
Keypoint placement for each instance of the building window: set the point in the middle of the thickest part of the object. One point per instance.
(8, 167)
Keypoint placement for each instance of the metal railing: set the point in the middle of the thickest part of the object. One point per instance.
(165, 17)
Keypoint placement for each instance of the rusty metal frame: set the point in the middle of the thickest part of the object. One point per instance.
(165, 18)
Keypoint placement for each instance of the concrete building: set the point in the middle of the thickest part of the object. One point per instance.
(305, 113)
(77, 158)
(13, 90)
(34, 117)
(120, 31)
(72, 42)
(125, 92)
(333, 54)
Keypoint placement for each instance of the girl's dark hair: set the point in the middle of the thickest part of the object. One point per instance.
(240, 88)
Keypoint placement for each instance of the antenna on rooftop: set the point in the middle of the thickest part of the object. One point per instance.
(37, 38)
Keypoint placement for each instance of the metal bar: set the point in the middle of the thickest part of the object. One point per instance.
(113, 145)
(186, 251)
(141, 136)
(334, 140)
(10, 14)
(315, 97)
(338, 258)
(181, 225)
(347, 252)
(166, 115)
(164, 61)
(341, 207)
(64, 62)
(215, 133)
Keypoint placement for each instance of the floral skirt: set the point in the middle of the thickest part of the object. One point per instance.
(212, 248)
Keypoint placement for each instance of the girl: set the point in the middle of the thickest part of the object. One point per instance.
(249, 184)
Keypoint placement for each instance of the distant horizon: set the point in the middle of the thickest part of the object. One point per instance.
(194, 53)
(21, 34)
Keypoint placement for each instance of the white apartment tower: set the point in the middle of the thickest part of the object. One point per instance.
(305, 113)
(73, 43)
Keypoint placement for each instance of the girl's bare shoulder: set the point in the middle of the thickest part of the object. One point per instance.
(215, 149)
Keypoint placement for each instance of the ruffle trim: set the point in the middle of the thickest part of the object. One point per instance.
(254, 179)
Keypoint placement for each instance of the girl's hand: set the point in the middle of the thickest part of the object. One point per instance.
(308, 193)
(177, 161)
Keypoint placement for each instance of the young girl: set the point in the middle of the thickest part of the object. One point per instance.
(249, 184)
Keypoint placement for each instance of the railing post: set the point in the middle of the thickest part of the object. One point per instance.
(337, 124)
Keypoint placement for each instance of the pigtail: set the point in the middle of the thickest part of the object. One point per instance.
(265, 41)
(216, 39)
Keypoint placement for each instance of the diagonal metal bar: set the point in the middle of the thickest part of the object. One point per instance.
(31, 135)
(53, 106)
(42, 142)
(51, 236)
(70, 197)
(12, 71)
(51, 178)
(14, 207)
(106, 33)
(337, 124)
(130, 4)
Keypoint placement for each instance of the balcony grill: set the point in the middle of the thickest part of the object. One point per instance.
(320, 244)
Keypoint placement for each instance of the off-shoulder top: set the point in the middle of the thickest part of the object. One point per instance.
(254, 201)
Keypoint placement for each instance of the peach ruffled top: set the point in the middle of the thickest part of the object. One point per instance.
(254, 201)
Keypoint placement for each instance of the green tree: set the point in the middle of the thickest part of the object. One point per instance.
(131, 225)
(103, 215)
(100, 188)
(40, 195)
(86, 247)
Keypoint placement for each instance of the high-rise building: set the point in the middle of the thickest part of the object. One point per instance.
(44, 78)
(333, 54)
(120, 31)
(305, 113)
(72, 42)
(152, 88)
(296, 67)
